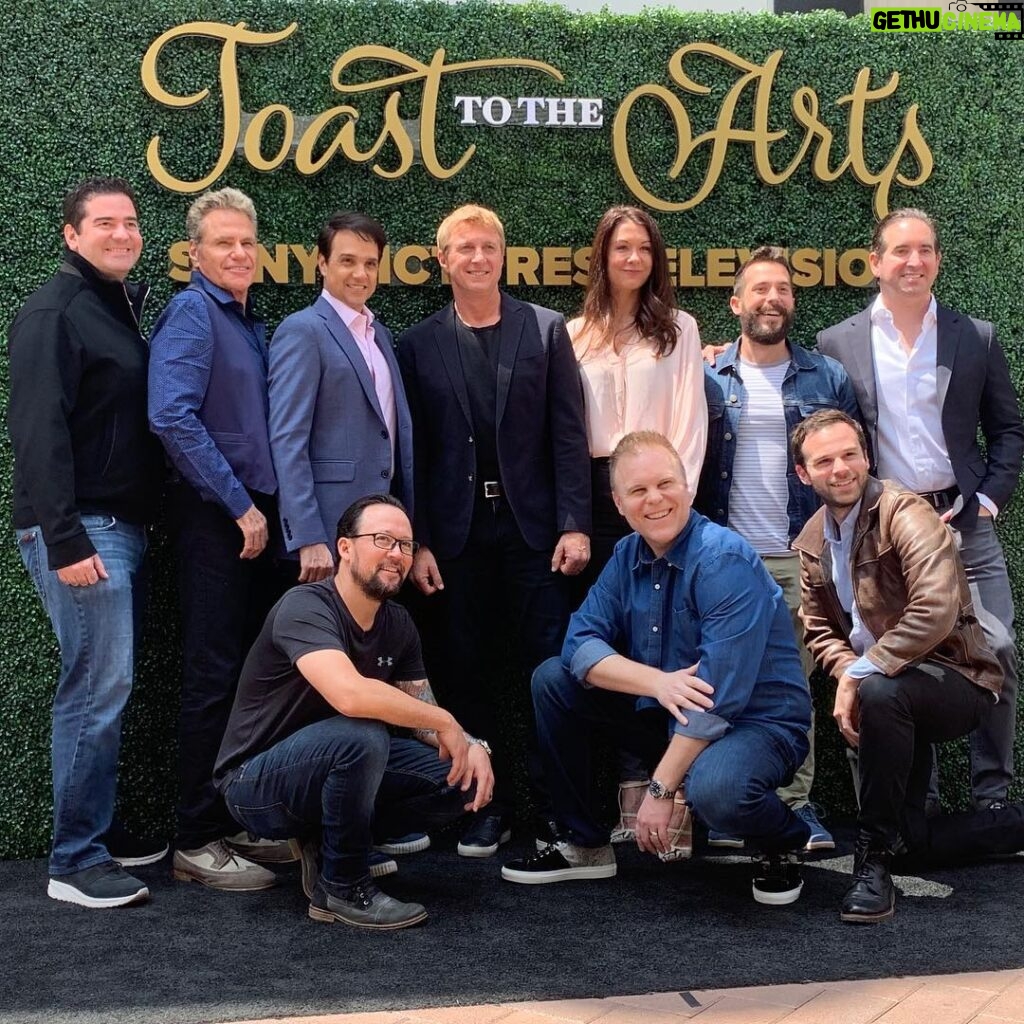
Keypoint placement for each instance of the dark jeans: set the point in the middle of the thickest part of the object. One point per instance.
(224, 601)
(350, 778)
(730, 786)
(497, 582)
(899, 718)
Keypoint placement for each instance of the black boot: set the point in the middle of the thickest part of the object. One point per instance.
(872, 896)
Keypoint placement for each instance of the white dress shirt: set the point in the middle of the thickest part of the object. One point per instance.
(911, 445)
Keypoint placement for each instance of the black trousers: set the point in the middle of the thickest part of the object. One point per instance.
(496, 588)
(900, 717)
(224, 601)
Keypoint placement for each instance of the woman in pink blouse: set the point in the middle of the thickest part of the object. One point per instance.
(640, 361)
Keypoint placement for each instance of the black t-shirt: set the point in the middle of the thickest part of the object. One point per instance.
(478, 350)
(274, 699)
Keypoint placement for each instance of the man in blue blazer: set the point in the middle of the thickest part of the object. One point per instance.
(339, 420)
(926, 378)
(502, 490)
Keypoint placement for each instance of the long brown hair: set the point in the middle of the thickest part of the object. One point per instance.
(655, 315)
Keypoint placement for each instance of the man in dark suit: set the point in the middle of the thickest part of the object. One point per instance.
(339, 420)
(926, 378)
(502, 474)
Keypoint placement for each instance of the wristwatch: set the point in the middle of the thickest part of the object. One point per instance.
(476, 741)
(659, 790)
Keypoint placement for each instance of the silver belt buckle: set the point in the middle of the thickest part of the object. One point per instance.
(492, 489)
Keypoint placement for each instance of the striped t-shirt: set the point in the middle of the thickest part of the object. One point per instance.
(759, 494)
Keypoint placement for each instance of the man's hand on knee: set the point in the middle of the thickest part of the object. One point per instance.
(847, 710)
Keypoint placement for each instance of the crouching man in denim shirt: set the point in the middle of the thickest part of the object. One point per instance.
(684, 653)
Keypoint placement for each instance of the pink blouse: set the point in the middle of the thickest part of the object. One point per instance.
(634, 390)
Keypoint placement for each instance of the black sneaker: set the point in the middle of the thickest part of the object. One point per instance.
(132, 851)
(485, 834)
(561, 862)
(363, 905)
(103, 885)
(777, 879)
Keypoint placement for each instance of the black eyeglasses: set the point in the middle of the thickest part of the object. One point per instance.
(386, 542)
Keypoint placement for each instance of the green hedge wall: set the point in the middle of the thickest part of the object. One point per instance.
(74, 105)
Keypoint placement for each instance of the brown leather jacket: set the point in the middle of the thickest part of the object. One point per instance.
(910, 589)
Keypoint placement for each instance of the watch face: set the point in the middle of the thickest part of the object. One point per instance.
(657, 790)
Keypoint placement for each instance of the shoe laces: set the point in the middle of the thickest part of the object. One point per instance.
(865, 849)
(544, 855)
(362, 893)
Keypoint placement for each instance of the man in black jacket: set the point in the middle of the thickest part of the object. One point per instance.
(85, 471)
(502, 486)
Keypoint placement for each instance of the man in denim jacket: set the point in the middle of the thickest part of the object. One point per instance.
(759, 389)
(679, 597)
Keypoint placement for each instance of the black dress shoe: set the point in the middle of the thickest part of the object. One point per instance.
(872, 896)
(485, 834)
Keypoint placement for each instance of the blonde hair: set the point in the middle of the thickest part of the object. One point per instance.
(638, 441)
(223, 199)
(468, 214)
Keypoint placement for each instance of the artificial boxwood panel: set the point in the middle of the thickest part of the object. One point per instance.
(74, 105)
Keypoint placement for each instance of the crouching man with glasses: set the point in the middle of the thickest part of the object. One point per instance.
(312, 747)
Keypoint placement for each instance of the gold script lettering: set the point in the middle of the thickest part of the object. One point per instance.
(759, 78)
(310, 155)
(231, 36)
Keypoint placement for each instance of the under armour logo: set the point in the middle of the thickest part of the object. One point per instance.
(382, 661)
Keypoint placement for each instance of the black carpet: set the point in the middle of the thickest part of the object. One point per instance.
(192, 955)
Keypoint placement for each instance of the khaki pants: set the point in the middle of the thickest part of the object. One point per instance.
(785, 570)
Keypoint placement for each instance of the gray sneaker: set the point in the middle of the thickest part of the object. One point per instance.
(216, 865)
(561, 862)
(363, 906)
(102, 885)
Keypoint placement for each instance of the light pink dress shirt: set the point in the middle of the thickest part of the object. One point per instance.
(360, 326)
(633, 389)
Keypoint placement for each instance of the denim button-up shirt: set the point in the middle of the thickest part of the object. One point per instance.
(710, 600)
(812, 382)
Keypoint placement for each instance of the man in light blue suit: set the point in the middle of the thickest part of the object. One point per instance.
(339, 420)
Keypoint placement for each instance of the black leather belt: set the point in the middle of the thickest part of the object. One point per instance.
(492, 489)
(940, 500)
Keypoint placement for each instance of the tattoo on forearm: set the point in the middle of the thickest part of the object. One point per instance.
(420, 689)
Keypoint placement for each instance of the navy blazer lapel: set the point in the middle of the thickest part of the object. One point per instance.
(447, 342)
(948, 330)
(512, 323)
(343, 337)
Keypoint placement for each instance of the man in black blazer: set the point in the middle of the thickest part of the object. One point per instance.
(502, 483)
(926, 379)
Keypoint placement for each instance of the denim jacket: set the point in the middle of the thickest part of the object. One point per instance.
(812, 382)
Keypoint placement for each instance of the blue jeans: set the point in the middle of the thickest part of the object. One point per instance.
(349, 779)
(96, 629)
(730, 786)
